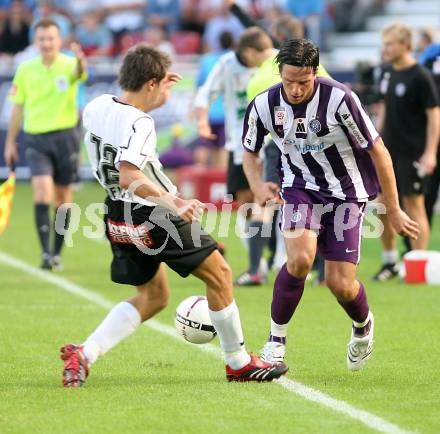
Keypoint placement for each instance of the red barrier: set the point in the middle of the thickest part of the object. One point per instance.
(203, 183)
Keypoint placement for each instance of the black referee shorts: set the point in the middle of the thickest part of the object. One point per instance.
(143, 237)
(409, 183)
(55, 154)
(236, 178)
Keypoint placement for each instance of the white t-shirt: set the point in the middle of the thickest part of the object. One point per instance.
(120, 132)
(228, 78)
(130, 20)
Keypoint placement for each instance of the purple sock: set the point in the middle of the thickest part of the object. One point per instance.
(357, 309)
(287, 293)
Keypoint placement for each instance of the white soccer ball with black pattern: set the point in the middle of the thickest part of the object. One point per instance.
(193, 322)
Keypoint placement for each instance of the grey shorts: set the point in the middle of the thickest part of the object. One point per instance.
(271, 163)
(55, 154)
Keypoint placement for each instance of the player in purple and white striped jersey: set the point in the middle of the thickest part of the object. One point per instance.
(332, 162)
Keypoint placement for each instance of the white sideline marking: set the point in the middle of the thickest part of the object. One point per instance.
(368, 419)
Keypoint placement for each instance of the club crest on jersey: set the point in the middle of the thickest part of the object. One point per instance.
(280, 115)
(61, 83)
(400, 89)
(315, 126)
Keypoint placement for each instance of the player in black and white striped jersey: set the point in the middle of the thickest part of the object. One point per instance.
(147, 225)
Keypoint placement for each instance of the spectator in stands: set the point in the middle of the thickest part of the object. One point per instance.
(164, 14)
(156, 37)
(223, 22)
(411, 131)
(94, 37)
(14, 37)
(46, 9)
(311, 13)
(425, 38)
(75, 9)
(196, 13)
(123, 16)
(212, 149)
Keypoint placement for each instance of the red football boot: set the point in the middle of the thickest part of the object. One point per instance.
(76, 367)
(257, 370)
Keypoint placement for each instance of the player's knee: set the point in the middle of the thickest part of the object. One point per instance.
(300, 264)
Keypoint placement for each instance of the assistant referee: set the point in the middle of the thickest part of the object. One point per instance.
(44, 94)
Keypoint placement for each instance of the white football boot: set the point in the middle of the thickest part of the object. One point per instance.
(273, 352)
(359, 348)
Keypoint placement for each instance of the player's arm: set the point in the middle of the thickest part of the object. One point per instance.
(428, 160)
(253, 138)
(133, 179)
(206, 95)
(401, 222)
(81, 62)
(11, 148)
(247, 21)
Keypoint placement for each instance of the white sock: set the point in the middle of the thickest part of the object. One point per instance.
(280, 257)
(241, 230)
(120, 323)
(278, 330)
(390, 256)
(228, 326)
(364, 323)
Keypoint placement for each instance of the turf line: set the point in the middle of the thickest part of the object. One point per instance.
(368, 419)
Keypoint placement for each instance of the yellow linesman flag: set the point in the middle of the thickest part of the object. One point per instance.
(6, 195)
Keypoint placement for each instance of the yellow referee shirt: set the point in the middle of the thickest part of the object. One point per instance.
(268, 75)
(48, 94)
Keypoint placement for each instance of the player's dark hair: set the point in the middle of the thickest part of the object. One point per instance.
(142, 64)
(302, 53)
(254, 37)
(44, 23)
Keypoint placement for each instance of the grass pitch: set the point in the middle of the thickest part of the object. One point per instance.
(153, 383)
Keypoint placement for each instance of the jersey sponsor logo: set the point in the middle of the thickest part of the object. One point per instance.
(300, 125)
(61, 83)
(304, 149)
(123, 233)
(315, 126)
(251, 133)
(354, 129)
(288, 142)
(280, 115)
(400, 89)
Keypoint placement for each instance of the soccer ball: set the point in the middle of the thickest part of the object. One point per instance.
(193, 322)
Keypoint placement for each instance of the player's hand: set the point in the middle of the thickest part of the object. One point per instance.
(403, 224)
(77, 51)
(268, 194)
(427, 163)
(229, 3)
(189, 210)
(205, 131)
(171, 78)
(11, 154)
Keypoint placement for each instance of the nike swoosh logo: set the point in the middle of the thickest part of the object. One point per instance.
(349, 251)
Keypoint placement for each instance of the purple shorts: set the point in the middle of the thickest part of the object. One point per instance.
(218, 142)
(337, 224)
